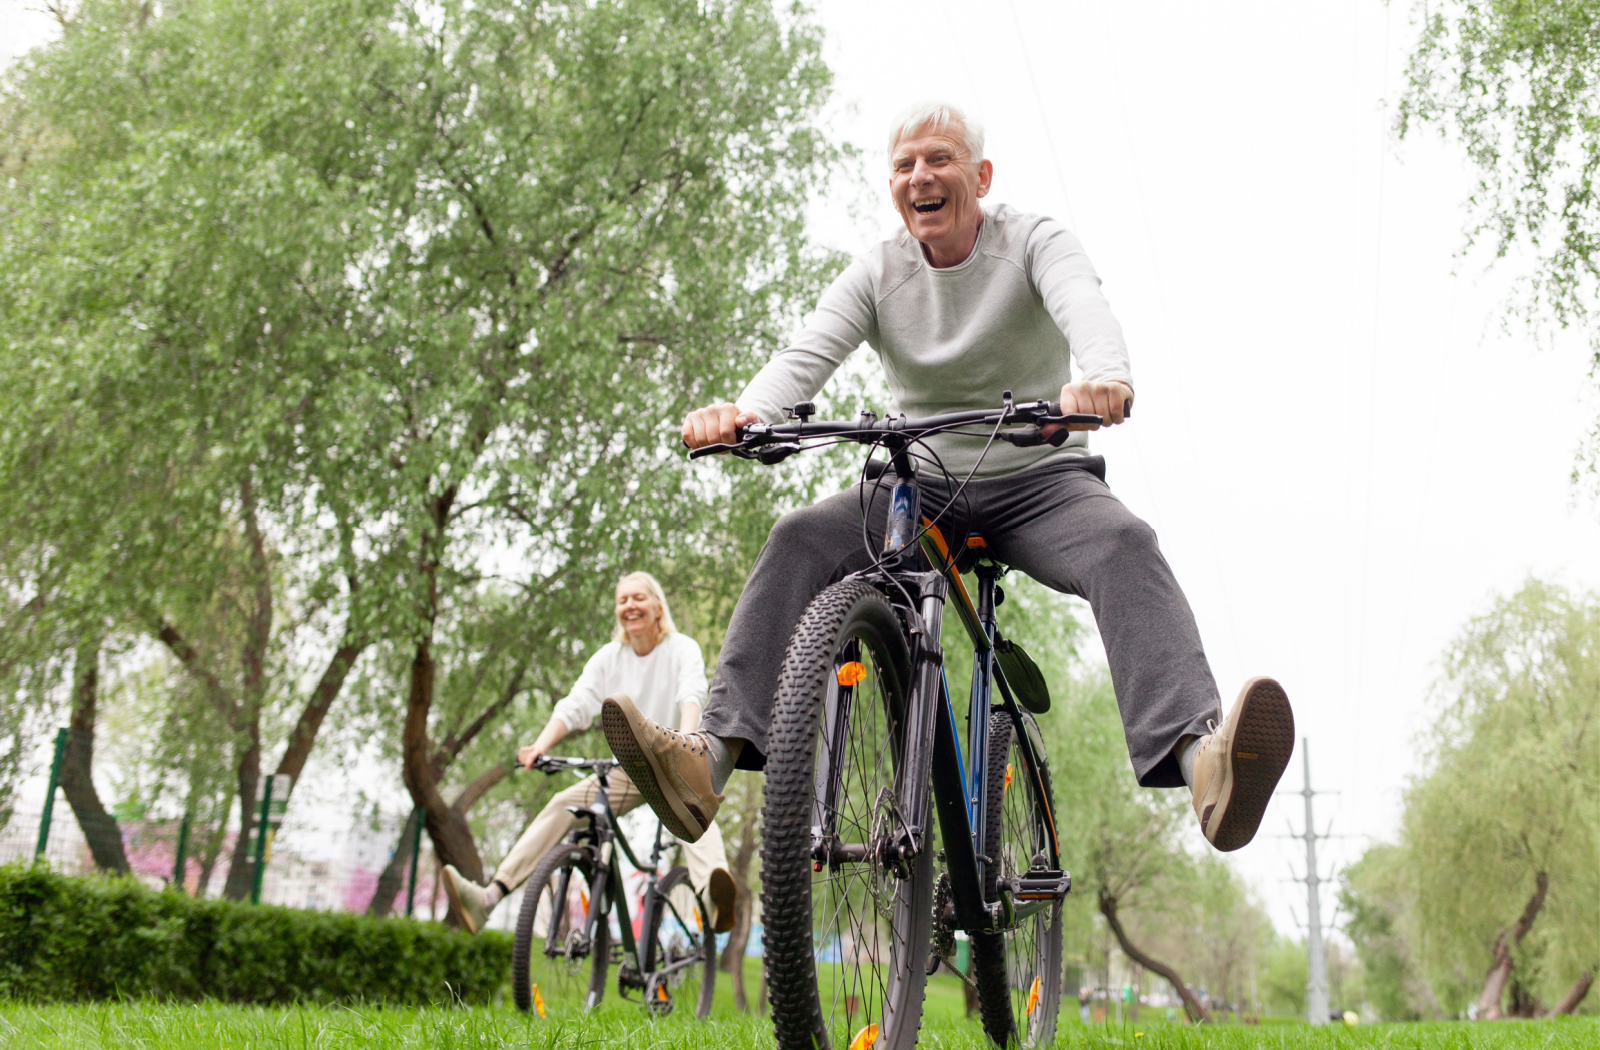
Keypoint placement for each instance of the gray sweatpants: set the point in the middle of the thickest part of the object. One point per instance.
(1059, 524)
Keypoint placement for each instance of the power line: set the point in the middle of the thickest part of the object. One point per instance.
(1044, 120)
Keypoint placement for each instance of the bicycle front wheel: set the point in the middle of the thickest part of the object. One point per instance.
(557, 965)
(684, 941)
(1018, 971)
(847, 936)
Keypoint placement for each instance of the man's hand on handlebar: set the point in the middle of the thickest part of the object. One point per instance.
(1109, 401)
(715, 425)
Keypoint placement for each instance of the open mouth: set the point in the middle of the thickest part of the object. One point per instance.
(928, 205)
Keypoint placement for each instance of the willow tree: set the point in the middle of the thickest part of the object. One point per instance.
(404, 300)
(1517, 85)
(1501, 834)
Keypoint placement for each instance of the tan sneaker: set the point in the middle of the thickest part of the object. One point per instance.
(1238, 766)
(466, 899)
(671, 769)
(724, 895)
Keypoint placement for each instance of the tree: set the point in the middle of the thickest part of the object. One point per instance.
(1126, 836)
(1489, 896)
(1518, 84)
(417, 292)
(1375, 895)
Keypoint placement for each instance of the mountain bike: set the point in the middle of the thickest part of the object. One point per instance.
(564, 943)
(861, 893)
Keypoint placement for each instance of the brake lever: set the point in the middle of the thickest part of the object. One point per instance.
(711, 450)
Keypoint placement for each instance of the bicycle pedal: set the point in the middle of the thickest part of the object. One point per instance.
(1040, 884)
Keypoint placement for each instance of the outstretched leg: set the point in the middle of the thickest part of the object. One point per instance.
(1063, 527)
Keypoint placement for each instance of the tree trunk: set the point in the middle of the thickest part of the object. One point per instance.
(213, 849)
(447, 829)
(392, 876)
(1191, 1005)
(77, 766)
(479, 787)
(739, 937)
(394, 873)
(241, 866)
(304, 736)
(969, 987)
(1580, 988)
(1495, 981)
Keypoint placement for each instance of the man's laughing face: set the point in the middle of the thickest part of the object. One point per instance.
(935, 186)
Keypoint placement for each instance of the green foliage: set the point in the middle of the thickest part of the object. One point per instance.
(1513, 790)
(1518, 83)
(74, 939)
(423, 287)
(1374, 894)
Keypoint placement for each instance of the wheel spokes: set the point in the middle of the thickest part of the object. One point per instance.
(854, 899)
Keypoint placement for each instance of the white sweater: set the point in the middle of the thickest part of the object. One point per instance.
(1011, 316)
(659, 682)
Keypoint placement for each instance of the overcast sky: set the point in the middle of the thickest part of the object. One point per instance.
(1342, 452)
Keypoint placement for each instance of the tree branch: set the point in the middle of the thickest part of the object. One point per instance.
(191, 661)
(1192, 1005)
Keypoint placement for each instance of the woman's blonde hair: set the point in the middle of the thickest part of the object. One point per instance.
(653, 587)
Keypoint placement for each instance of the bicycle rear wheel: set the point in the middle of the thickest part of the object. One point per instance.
(847, 938)
(1018, 971)
(683, 932)
(556, 968)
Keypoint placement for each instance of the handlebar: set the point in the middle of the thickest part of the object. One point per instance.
(771, 442)
(553, 764)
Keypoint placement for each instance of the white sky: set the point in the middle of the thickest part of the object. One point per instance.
(1342, 453)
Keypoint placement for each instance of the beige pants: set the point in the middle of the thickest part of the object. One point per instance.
(553, 823)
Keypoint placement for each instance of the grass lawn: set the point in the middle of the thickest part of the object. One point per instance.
(157, 1026)
(138, 1026)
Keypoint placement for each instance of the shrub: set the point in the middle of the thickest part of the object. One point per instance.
(74, 939)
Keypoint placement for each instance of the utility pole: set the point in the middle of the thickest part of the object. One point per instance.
(1316, 954)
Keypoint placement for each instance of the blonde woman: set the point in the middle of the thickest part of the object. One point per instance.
(662, 670)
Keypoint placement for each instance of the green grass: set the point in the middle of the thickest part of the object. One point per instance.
(138, 1026)
(159, 1026)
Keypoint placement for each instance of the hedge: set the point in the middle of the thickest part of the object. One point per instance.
(74, 939)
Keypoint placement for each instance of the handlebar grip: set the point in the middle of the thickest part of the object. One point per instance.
(1127, 408)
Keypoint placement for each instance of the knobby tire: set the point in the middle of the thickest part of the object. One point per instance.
(529, 965)
(868, 930)
(1005, 964)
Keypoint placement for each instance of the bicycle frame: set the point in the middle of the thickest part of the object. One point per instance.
(932, 749)
(934, 754)
(602, 831)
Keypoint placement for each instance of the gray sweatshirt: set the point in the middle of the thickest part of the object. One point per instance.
(1010, 317)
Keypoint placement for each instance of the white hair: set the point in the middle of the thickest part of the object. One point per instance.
(939, 116)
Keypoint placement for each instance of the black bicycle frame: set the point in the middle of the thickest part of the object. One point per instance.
(602, 830)
(934, 753)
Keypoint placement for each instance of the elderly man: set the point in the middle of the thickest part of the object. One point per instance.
(963, 304)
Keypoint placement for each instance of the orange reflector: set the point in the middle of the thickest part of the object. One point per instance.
(850, 674)
(1033, 996)
(584, 897)
(697, 924)
(1008, 779)
(865, 1038)
(538, 1001)
(661, 992)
